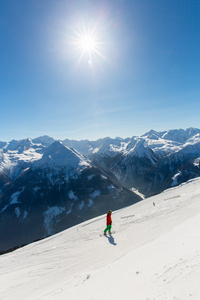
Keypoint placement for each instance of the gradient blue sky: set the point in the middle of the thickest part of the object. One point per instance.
(147, 75)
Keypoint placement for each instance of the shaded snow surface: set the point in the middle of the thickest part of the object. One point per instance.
(153, 254)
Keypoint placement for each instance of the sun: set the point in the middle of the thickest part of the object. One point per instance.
(87, 43)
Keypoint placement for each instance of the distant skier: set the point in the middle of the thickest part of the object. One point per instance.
(108, 222)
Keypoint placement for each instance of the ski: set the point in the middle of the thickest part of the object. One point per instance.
(102, 234)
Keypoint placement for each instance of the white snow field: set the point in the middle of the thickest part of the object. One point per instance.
(153, 254)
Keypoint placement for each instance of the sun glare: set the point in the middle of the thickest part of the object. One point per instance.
(87, 44)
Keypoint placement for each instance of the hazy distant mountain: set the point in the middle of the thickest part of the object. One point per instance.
(44, 140)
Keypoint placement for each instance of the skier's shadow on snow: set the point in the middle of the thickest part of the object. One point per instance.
(111, 239)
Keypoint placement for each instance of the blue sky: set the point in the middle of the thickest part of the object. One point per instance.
(144, 73)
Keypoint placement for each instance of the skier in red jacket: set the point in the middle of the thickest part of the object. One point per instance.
(108, 222)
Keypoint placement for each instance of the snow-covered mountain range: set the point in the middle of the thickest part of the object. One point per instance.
(48, 185)
(45, 189)
(149, 163)
(154, 254)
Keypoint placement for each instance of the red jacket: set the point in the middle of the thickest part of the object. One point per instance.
(109, 220)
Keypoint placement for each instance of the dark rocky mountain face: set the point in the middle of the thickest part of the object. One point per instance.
(149, 176)
(170, 171)
(129, 167)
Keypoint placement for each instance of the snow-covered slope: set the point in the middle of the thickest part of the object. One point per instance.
(154, 254)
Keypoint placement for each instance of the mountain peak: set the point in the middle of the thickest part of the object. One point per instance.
(141, 150)
(44, 140)
(60, 155)
(153, 134)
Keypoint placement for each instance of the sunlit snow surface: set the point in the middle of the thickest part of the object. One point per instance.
(153, 254)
